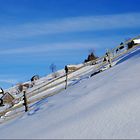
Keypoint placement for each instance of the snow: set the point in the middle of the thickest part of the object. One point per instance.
(105, 106)
(137, 40)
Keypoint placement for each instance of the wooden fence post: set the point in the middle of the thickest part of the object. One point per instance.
(66, 81)
(109, 58)
(25, 101)
(66, 71)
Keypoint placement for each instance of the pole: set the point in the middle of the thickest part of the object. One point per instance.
(66, 81)
(25, 101)
(109, 58)
(66, 71)
(110, 61)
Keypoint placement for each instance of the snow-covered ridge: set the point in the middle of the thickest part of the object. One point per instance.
(55, 85)
(99, 92)
(103, 106)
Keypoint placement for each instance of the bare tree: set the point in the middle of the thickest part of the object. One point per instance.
(91, 51)
(53, 69)
(91, 55)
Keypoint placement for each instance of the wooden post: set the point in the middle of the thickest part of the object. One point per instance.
(66, 81)
(109, 58)
(66, 71)
(25, 101)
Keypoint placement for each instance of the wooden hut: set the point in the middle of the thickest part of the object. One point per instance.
(8, 99)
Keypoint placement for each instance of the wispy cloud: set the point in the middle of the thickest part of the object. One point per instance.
(46, 48)
(73, 24)
(9, 79)
(50, 48)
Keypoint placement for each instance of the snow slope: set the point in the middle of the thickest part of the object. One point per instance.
(104, 106)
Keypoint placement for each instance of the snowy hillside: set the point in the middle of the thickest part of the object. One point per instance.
(106, 105)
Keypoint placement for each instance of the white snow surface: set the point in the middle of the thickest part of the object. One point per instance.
(137, 40)
(104, 106)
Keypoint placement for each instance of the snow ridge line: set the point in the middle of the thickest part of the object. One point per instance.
(51, 94)
(86, 64)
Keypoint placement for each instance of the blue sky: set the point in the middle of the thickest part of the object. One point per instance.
(36, 33)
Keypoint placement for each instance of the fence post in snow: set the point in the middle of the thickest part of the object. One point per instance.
(66, 71)
(109, 58)
(25, 101)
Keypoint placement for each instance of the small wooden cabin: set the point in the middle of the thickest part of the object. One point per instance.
(8, 99)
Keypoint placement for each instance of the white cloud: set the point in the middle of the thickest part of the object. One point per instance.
(44, 48)
(9, 81)
(73, 24)
(49, 48)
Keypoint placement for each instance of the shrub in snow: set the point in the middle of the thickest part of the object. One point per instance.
(34, 78)
(131, 44)
(22, 87)
(91, 57)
